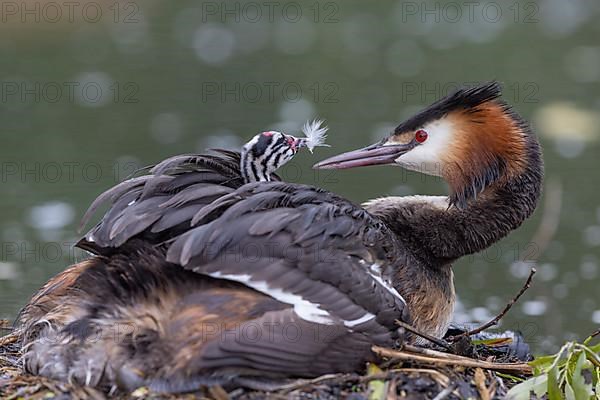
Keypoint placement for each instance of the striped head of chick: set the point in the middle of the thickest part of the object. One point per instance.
(270, 150)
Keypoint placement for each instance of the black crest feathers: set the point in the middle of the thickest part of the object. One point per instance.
(464, 98)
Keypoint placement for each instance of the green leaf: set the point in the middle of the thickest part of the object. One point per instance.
(592, 354)
(597, 376)
(554, 392)
(140, 392)
(581, 390)
(511, 377)
(595, 348)
(561, 376)
(541, 364)
(493, 342)
(522, 391)
(589, 339)
(376, 386)
(569, 393)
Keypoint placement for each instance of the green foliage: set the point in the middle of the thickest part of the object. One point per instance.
(573, 374)
(377, 387)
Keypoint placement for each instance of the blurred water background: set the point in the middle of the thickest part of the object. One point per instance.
(89, 91)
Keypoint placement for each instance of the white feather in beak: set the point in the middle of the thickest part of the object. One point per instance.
(315, 134)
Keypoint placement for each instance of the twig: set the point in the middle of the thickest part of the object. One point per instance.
(431, 352)
(218, 393)
(436, 375)
(410, 328)
(8, 339)
(593, 335)
(498, 317)
(445, 393)
(494, 384)
(391, 389)
(302, 383)
(522, 368)
(481, 384)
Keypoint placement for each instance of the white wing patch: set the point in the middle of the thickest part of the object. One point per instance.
(306, 310)
(365, 318)
(375, 272)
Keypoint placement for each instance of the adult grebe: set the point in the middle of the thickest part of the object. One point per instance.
(201, 278)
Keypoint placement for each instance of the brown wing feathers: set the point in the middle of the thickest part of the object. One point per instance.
(277, 258)
(261, 256)
(134, 203)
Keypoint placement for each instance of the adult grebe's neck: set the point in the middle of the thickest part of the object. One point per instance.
(434, 232)
(438, 230)
(492, 163)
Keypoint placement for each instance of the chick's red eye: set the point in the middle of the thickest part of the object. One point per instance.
(421, 135)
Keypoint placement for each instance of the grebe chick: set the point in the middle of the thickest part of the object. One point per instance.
(268, 151)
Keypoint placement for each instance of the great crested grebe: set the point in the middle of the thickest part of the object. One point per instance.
(200, 278)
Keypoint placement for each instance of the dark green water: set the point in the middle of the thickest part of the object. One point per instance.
(88, 96)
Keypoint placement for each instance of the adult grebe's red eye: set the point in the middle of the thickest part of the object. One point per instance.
(421, 135)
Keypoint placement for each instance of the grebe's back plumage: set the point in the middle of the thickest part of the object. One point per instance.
(263, 257)
(176, 258)
(160, 204)
(157, 205)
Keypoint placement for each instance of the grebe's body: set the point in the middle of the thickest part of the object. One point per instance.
(200, 278)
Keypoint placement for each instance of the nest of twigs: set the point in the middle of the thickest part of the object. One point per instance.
(411, 371)
(455, 368)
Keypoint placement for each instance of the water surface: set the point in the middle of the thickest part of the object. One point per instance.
(86, 100)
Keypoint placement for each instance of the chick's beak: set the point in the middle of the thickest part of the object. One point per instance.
(294, 143)
(375, 154)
